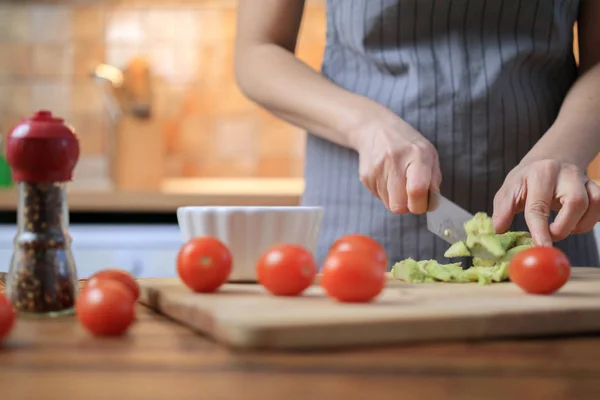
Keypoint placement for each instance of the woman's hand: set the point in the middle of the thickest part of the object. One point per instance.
(540, 186)
(397, 164)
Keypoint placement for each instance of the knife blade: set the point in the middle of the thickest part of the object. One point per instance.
(446, 219)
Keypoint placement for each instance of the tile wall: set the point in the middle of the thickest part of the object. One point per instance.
(48, 50)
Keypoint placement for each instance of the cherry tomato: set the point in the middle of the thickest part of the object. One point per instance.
(286, 269)
(540, 270)
(106, 309)
(352, 276)
(118, 275)
(363, 244)
(7, 316)
(204, 264)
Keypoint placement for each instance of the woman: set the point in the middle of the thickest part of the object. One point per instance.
(485, 94)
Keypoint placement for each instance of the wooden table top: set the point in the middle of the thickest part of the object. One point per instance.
(158, 359)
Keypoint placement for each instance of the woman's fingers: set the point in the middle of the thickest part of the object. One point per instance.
(436, 175)
(592, 214)
(382, 189)
(370, 183)
(504, 210)
(399, 167)
(540, 191)
(396, 189)
(382, 192)
(573, 196)
(418, 181)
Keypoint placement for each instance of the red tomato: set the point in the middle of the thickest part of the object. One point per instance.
(352, 277)
(7, 316)
(117, 275)
(286, 270)
(363, 244)
(540, 270)
(204, 264)
(106, 309)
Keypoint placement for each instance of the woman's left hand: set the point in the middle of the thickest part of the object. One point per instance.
(540, 186)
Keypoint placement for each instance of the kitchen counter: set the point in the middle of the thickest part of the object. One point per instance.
(159, 359)
(175, 193)
(181, 192)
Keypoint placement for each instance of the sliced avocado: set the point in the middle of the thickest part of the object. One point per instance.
(511, 253)
(500, 273)
(438, 272)
(525, 241)
(426, 271)
(511, 239)
(470, 274)
(482, 262)
(489, 271)
(405, 269)
(485, 246)
(491, 254)
(442, 272)
(485, 276)
(478, 274)
(409, 270)
(480, 224)
(458, 249)
(421, 265)
(457, 271)
(482, 240)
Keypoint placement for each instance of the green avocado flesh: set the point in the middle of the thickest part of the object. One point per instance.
(491, 254)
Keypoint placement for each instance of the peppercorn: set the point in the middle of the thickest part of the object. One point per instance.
(42, 278)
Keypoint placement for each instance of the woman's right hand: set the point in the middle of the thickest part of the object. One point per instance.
(396, 163)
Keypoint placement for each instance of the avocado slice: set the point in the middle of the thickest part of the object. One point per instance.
(458, 249)
(511, 239)
(409, 270)
(511, 253)
(482, 240)
(525, 241)
(426, 271)
(482, 275)
(481, 224)
(482, 262)
(485, 275)
(485, 246)
(491, 254)
(443, 272)
(500, 273)
(495, 271)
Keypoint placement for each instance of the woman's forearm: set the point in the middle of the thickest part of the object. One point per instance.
(274, 78)
(575, 135)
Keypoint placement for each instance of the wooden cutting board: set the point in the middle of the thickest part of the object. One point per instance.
(245, 316)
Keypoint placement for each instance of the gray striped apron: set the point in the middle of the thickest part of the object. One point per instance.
(481, 79)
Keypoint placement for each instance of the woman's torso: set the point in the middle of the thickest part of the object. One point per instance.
(481, 79)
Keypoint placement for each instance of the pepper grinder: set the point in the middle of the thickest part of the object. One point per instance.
(42, 152)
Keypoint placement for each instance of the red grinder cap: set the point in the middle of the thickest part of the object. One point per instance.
(42, 149)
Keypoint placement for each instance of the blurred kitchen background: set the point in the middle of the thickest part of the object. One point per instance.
(149, 87)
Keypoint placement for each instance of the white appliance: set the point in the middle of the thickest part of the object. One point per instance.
(147, 251)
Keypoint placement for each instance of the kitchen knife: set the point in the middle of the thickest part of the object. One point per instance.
(446, 219)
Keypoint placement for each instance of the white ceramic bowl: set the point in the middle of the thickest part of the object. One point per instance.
(250, 231)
